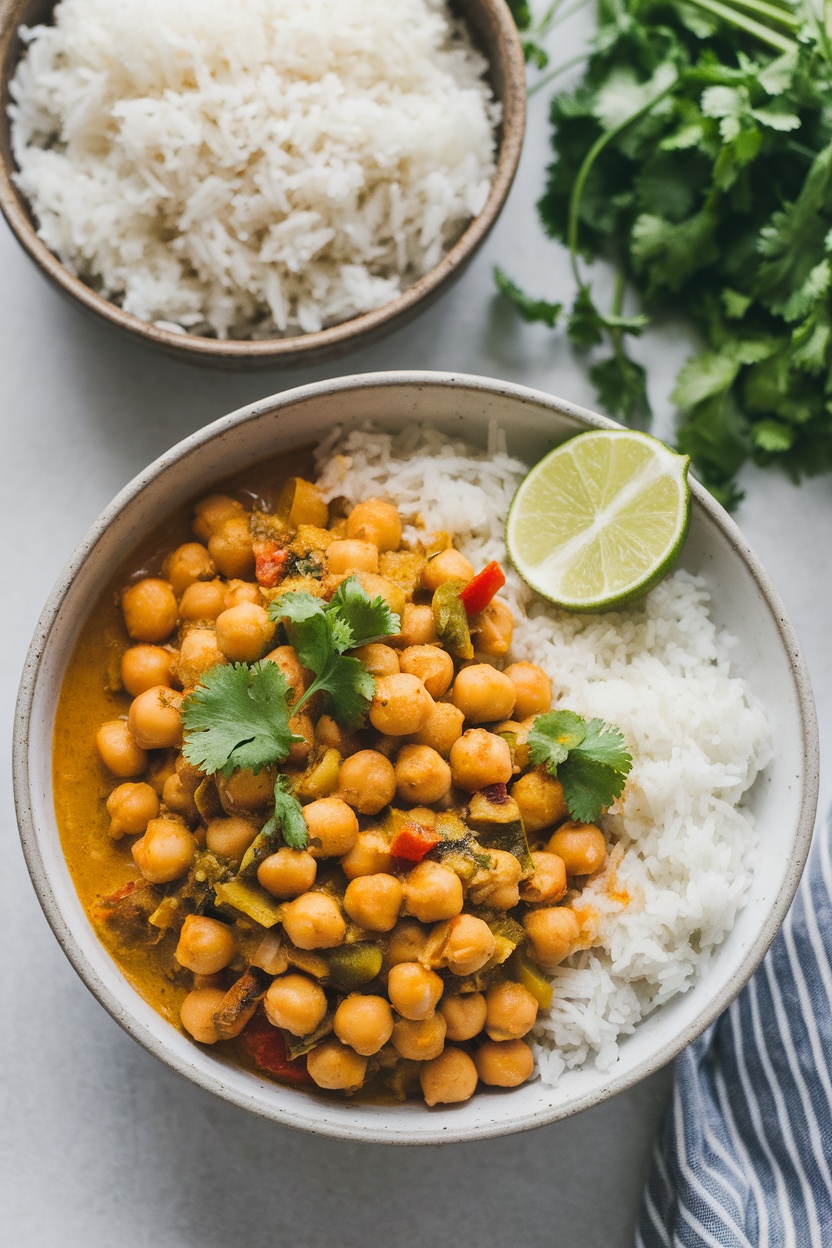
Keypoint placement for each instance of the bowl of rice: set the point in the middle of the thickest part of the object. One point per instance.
(704, 677)
(263, 184)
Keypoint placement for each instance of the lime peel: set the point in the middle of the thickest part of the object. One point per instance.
(600, 520)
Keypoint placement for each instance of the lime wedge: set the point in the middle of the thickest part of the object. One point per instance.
(600, 520)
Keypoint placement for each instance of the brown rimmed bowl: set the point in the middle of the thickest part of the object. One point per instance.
(767, 655)
(494, 32)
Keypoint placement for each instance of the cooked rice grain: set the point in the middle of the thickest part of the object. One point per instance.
(256, 168)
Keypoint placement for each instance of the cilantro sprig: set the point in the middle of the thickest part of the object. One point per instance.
(589, 758)
(695, 155)
(322, 631)
(238, 717)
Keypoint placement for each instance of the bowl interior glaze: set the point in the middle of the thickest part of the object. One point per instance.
(744, 601)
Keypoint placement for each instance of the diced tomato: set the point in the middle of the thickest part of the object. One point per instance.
(267, 1049)
(477, 594)
(269, 563)
(413, 842)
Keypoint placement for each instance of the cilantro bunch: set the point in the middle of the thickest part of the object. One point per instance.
(696, 155)
(238, 717)
(589, 758)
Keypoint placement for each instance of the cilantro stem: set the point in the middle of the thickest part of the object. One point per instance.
(589, 160)
(772, 38)
(770, 11)
(555, 73)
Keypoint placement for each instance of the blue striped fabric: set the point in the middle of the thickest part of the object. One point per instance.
(745, 1157)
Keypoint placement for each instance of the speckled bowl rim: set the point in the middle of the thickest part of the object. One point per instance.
(315, 1120)
(334, 340)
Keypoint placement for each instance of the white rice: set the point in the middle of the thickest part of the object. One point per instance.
(679, 868)
(253, 168)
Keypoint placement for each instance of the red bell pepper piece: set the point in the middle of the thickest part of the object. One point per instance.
(477, 594)
(269, 563)
(413, 842)
(267, 1049)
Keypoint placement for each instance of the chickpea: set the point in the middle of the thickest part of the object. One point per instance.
(554, 933)
(351, 555)
(468, 945)
(376, 521)
(464, 1015)
(374, 901)
(367, 781)
(480, 758)
(179, 798)
(197, 1012)
(434, 667)
(504, 1063)
(519, 732)
(532, 687)
(498, 884)
(448, 565)
(213, 511)
(333, 1065)
(381, 587)
(244, 632)
(120, 752)
(297, 677)
(230, 548)
(407, 942)
(581, 846)
(237, 592)
(413, 990)
(287, 872)
(422, 775)
(230, 837)
(419, 1040)
(198, 653)
(495, 629)
(401, 704)
(511, 1011)
(301, 503)
(330, 821)
(299, 751)
(365, 1023)
(540, 798)
(131, 807)
(150, 609)
(369, 854)
(204, 600)
(165, 852)
(154, 718)
(418, 627)
(187, 564)
(295, 1003)
(449, 1078)
(379, 659)
(144, 666)
(244, 792)
(205, 945)
(314, 921)
(334, 737)
(549, 880)
(442, 728)
(483, 694)
(160, 768)
(432, 892)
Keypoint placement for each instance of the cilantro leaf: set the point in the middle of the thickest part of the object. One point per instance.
(320, 633)
(237, 717)
(369, 619)
(288, 816)
(530, 309)
(589, 757)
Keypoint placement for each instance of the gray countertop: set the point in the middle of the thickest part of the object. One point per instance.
(101, 1145)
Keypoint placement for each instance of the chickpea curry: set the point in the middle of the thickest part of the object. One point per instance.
(326, 832)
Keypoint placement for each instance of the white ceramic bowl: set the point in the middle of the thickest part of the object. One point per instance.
(745, 601)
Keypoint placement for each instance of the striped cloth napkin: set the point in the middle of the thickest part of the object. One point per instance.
(745, 1157)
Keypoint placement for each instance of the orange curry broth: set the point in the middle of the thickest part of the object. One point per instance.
(90, 694)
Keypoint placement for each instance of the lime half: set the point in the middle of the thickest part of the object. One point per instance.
(600, 520)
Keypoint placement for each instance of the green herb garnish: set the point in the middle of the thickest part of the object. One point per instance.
(589, 758)
(238, 717)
